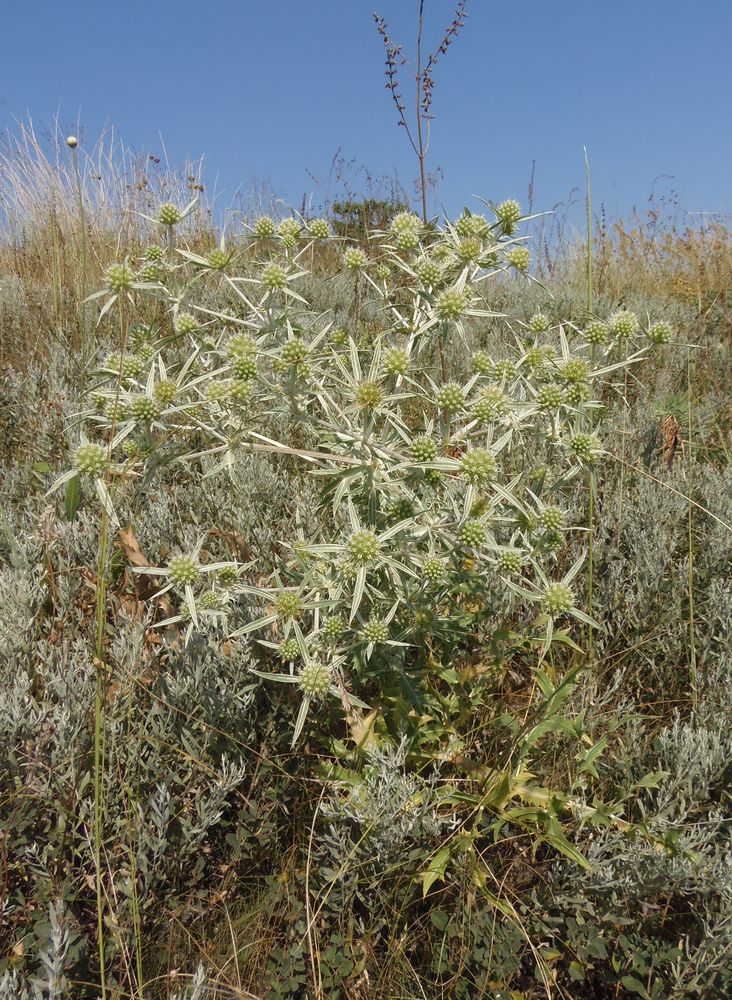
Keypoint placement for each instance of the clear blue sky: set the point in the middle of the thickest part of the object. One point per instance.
(268, 89)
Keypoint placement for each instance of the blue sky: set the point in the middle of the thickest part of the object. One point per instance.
(268, 90)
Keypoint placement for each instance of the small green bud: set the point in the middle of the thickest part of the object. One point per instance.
(274, 277)
(185, 324)
(145, 409)
(552, 518)
(623, 324)
(289, 649)
(482, 363)
(550, 397)
(319, 229)
(396, 361)
(375, 631)
(596, 332)
(508, 214)
(294, 351)
(510, 560)
(433, 569)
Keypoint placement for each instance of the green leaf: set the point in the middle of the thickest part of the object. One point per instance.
(72, 499)
(634, 985)
(436, 869)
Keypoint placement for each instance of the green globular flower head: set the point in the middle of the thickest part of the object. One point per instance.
(294, 352)
(339, 336)
(596, 332)
(576, 393)
(155, 254)
(274, 277)
(228, 576)
(508, 214)
(289, 230)
(550, 397)
(539, 323)
(183, 571)
(492, 403)
(145, 409)
(623, 323)
(375, 631)
(354, 259)
(660, 333)
(586, 447)
(319, 229)
(400, 510)
(557, 599)
(90, 459)
(396, 361)
(406, 228)
(383, 272)
(451, 397)
(478, 466)
(504, 371)
(289, 649)
(433, 569)
(185, 323)
(469, 249)
(574, 370)
(333, 626)
(472, 533)
(120, 278)
(423, 449)
(510, 560)
(244, 367)
(470, 224)
(152, 274)
(210, 601)
(429, 272)
(315, 680)
(533, 360)
(368, 395)
(552, 518)
(451, 304)
(363, 547)
(264, 228)
(519, 258)
(169, 214)
(482, 363)
(241, 345)
(241, 391)
(218, 260)
(288, 606)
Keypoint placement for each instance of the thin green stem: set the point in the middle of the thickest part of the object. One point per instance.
(690, 541)
(84, 251)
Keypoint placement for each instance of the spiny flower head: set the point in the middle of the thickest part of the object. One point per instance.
(400, 510)
(333, 626)
(169, 214)
(478, 466)
(533, 359)
(363, 547)
(375, 631)
(294, 352)
(469, 249)
(574, 370)
(119, 277)
(228, 576)
(539, 323)
(355, 259)
(510, 560)
(264, 227)
(519, 258)
(576, 393)
(482, 363)
(289, 649)
(383, 272)
(596, 332)
(660, 333)
(368, 395)
(274, 276)
(558, 599)
(339, 336)
(289, 230)
(155, 254)
(184, 323)
(552, 518)
(550, 397)
(315, 680)
(244, 366)
(90, 459)
(240, 345)
(211, 600)
(433, 569)
(429, 272)
(472, 532)
(451, 304)
(623, 323)
(183, 571)
(406, 228)
(508, 214)
(423, 449)
(152, 274)
(491, 404)
(145, 409)
(586, 447)
(396, 361)
(288, 605)
(450, 397)
(241, 391)
(218, 260)
(319, 229)
(504, 371)
(471, 225)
